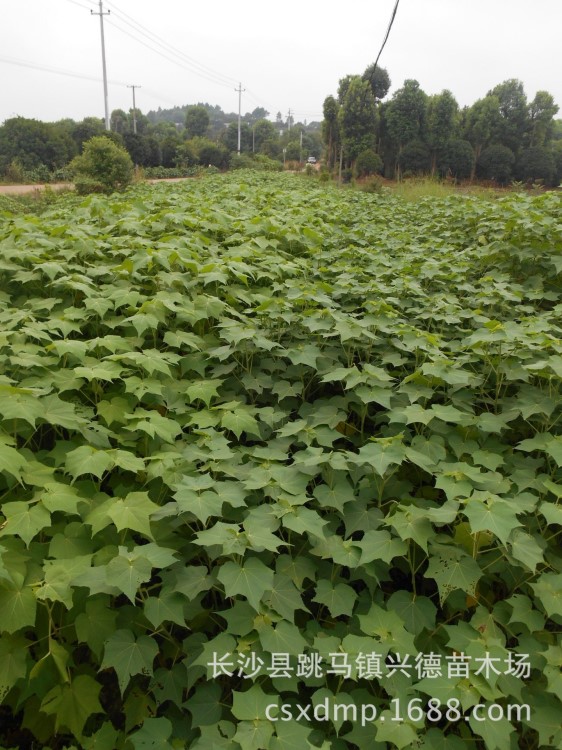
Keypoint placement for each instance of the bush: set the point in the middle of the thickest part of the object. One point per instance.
(102, 167)
(368, 163)
(496, 163)
(457, 159)
(415, 158)
(536, 164)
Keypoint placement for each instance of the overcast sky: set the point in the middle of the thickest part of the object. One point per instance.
(287, 54)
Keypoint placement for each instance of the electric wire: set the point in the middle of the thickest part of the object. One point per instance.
(197, 67)
(57, 71)
(392, 17)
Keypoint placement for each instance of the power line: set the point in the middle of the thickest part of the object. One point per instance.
(57, 71)
(173, 60)
(393, 16)
(196, 67)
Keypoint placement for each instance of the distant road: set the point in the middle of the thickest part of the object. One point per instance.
(21, 189)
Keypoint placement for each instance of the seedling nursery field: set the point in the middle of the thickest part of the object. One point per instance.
(281, 468)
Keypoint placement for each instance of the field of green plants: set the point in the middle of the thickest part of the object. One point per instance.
(281, 469)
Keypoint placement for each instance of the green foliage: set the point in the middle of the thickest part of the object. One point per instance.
(496, 163)
(456, 159)
(368, 163)
(357, 118)
(378, 79)
(102, 167)
(196, 121)
(252, 416)
(536, 164)
(415, 158)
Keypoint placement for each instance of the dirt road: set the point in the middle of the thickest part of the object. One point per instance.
(21, 189)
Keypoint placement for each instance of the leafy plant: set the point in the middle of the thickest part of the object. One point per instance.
(263, 443)
(103, 167)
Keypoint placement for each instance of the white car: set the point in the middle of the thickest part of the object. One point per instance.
(311, 160)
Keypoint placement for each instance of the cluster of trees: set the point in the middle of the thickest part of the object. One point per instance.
(203, 134)
(500, 137)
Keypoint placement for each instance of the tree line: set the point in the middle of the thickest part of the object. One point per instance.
(501, 137)
(175, 140)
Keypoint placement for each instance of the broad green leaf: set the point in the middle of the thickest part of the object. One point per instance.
(24, 520)
(72, 704)
(452, 569)
(127, 572)
(488, 512)
(88, 460)
(11, 461)
(239, 421)
(251, 704)
(284, 638)
(128, 655)
(133, 512)
(252, 580)
(548, 590)
(204, 704)
(339, 599)
(14, 652)
(154, 733)
(167, 606)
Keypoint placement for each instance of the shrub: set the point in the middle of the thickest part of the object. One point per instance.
(536, 164)
(368, 163)
(457, 159)
(415, 158)
(102, 167)
(496, 163)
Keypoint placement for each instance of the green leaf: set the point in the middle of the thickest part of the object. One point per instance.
(14, 651)
(127, 572)
(204, 705)
(548, 591)
(72, 704)
(488, 512)
(133, 512)
(251, 704)
(285, 638)
(18, 606)
(87, 460)
(11, 461)
(167, 607)
(251, 580)
(339, 599)
(452, 569)
(239, 421)
(95, 624)
(284, 598)
(24, 520)
(154, 733)
(129, 656)
(204, 390)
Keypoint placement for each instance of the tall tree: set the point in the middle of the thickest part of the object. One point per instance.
(330, 130)
(196, 121)
(357, 119)
(442, 124)
(406, 115)
(482, 124)
(514, 115)
(541, 114)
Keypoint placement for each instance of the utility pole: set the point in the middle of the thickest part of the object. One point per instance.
(134, 86)
(240, 90)
(101, 14)
(289, 120)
